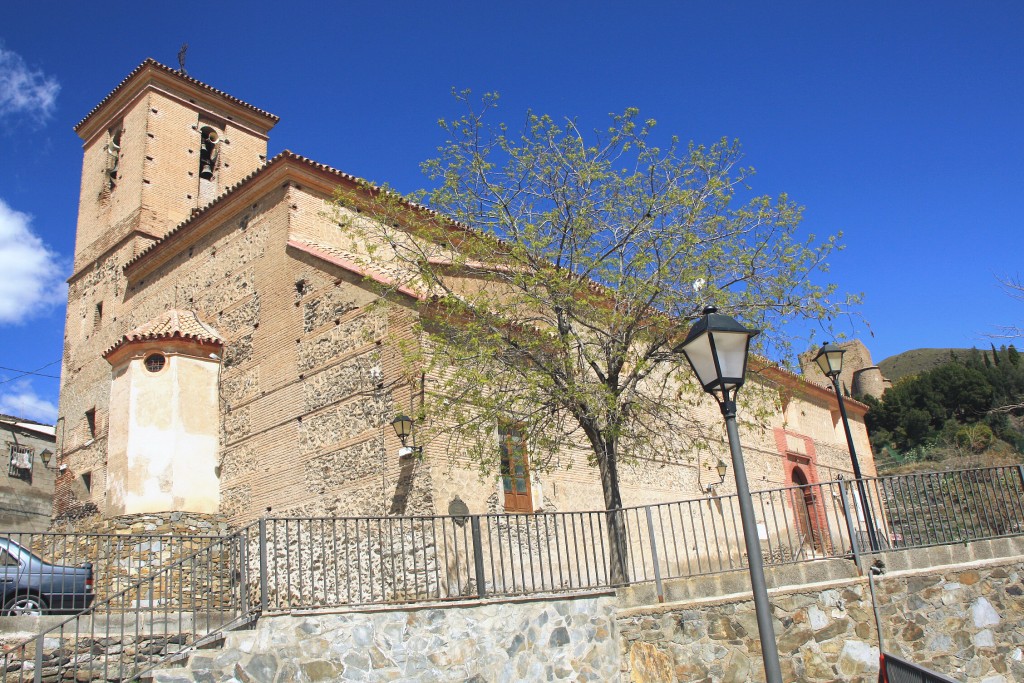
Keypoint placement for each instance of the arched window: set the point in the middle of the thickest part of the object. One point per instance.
(208, 152)
(113, 159)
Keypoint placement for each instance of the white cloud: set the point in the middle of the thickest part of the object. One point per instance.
(19, 399)
(24, 90)
(31, 282)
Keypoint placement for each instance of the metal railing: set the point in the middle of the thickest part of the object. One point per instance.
(118, 560)
(330, 562)
(282, 564)
(936, 508)
(173, 609)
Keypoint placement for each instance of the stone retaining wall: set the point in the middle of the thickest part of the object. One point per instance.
(963, 621)
(966, 622)
(824, 634)
(558, 640)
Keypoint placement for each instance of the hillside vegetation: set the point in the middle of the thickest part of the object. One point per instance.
(916, 361)
(968, 411)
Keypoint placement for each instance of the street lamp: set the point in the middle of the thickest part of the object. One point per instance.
(403, 425)
(830, 360)
(717, 348)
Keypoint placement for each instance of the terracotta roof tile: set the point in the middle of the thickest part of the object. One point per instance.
(170, 325)
(288, 155)
(188, 79)
(379, 271)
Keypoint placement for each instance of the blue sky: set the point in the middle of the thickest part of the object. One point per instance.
(898, 123)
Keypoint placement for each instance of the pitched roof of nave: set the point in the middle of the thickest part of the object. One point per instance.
(284, 158)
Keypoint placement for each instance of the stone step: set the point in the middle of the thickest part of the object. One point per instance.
(239, 640)
(738, 581)
(214, 660)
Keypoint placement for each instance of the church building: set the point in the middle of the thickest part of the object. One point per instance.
(221, 357)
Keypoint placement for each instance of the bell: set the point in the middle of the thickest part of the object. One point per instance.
(206, 172)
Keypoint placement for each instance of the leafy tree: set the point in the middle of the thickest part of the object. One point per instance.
(563, 269)
(966, 403)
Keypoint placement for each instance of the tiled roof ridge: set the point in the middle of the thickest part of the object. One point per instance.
(149, 61)
(774, 366)
(171, 324)
(289, 155)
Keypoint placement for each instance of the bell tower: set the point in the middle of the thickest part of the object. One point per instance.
(161, 145)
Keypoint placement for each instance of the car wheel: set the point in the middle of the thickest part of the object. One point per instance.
(25, 604)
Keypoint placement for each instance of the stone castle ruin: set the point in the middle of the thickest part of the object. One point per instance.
(860, 376)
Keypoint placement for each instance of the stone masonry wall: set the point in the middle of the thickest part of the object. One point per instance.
(557, 640)
(823, 635)
(964, 622)
(123, 550)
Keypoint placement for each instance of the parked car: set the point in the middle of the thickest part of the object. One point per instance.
(32, 586)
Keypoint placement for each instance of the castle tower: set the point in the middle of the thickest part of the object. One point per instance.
(860, 376)
(158, 148)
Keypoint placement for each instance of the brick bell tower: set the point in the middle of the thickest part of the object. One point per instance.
(157, 148)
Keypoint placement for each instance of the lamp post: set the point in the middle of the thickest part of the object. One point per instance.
(830, 360)
(716, 348)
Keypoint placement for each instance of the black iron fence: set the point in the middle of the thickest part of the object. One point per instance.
(330, 562)
(305, 563)
(172, 609)
(936, 508)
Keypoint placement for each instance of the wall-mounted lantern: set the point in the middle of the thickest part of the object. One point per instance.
(403, 425)
(721, 468)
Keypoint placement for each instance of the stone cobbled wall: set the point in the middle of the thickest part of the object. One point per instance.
(967, 623)
(560, 640)
(123, 550)
(822, 636)
(89, 659)
(964, 623)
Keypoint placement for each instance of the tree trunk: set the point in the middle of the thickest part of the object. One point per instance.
(618, 541)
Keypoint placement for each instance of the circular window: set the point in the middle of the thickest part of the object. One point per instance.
(155, 362)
